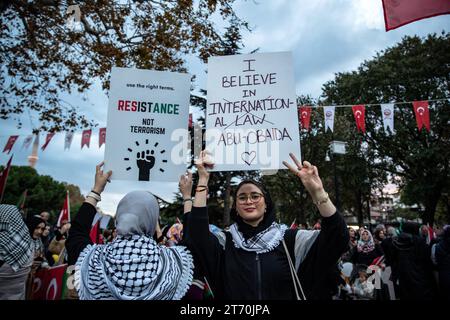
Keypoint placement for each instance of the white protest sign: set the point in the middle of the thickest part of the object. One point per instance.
(147, 117)
(251, 117)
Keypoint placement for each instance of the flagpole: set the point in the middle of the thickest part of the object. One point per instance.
(4, 177)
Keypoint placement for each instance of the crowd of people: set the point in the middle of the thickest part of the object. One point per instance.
(255, 258)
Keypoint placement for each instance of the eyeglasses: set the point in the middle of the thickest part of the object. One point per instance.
(254, 197)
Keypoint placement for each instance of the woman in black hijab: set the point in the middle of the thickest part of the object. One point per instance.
(258, 258)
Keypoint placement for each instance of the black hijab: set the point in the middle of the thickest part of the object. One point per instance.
(33, 222)
(247, 230)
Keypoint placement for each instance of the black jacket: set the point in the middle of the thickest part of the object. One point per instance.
(410, 259)
(237, 274)
(79, 232)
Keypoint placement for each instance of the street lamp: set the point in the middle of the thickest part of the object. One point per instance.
(335, 147)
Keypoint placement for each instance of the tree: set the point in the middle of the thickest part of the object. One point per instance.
(43, 56)
(43, 193)
(414, 69)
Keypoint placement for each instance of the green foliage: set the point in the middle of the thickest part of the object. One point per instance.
(42, 56)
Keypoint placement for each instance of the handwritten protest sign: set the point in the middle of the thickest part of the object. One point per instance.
(251, 117)
(146, 108)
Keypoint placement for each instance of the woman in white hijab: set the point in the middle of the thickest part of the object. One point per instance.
(133, 266)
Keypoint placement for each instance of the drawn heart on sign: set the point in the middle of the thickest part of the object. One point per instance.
(248, 157)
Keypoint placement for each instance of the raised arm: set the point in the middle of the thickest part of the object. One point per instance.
(309, 176)
(79, 232)
(186, 191)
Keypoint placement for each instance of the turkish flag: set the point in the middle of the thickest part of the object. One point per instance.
(9, 145)
(47, 140)
(48, 283)
(86, 138)
(4, 177)
(64, 215)
(304, 113)
(101, 137)
(95, 233)
(400, 12)
(422, 114)
(359, 112)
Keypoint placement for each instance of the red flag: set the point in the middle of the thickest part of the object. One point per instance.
(86, 138)
(101, 137)
(400, 12)
(305, 115)
(48, 283)
(4, 177)
(95, 233)
(190, 120)
(293, 225)
(359, 112)
(47, 140)
(64, 215)
(422, 114)
(9, 145)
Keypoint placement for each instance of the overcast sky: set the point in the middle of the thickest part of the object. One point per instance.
(325, 36)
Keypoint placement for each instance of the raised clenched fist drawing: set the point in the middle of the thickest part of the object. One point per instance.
(145, 162)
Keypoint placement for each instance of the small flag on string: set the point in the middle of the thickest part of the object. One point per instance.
(387, 111)
(359, 112)
(329, 117)
(9, 145)
(101, 137)
(86, 138)
(68, 139)
(27, 142)
(422, 114)
(305, 116)
(47, 140)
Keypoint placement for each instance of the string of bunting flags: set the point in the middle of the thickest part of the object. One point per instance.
(421, 111)
(85, 139)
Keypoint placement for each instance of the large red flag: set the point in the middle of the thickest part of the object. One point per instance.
(64, 215)
(400, 12)
(359, 112)
(48, 283)
(422, 114)
(4, 177)
(305, 116)
(86, 138)
(47, 140)
(9, 145)
(101, 137)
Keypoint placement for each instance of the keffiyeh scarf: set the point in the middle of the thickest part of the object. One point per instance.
(15, 241)
(262, 242)
(133, 268)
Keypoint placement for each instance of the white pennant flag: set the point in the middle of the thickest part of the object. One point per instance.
(329, 117)
(27, 142)
(68, 140)
(387, 110)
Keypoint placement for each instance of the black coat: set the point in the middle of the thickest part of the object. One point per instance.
(234, 273)
(412, 269)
